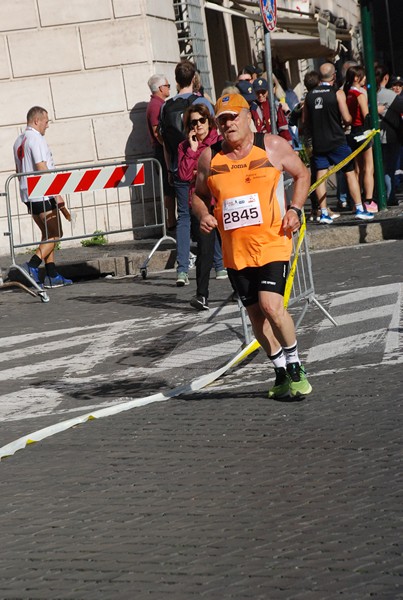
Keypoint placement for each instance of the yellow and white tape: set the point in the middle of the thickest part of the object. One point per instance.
(197, 384)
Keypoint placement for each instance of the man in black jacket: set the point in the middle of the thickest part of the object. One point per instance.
(390, 111)
(325, 109)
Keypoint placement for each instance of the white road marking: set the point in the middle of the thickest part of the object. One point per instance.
(124, 405)
(385, 340)
(85, 348)
(103, 347)
(207, 327)
(360, 294)
(346, 345)
(359, 317)
(45, 348)
(209, 353)
(20, 404)
(392, 349)
(103, 341)
(142, 324)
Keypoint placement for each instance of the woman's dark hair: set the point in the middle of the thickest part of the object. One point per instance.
(380, 72)
(352, 73)
(203, 112)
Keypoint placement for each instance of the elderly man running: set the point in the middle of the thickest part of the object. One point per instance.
(243, 174)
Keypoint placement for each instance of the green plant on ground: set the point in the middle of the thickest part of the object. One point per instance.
(97, 240)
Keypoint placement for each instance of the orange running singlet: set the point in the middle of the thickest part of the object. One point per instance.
(250, 206)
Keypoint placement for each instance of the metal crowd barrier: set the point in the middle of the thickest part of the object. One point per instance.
(105, 198)
(300, 289)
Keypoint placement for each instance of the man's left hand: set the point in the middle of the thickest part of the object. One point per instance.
(291, 221)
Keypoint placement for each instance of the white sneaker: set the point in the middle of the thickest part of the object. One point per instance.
(221, 274)
(363, 215)
(182, 279)
(326, 220)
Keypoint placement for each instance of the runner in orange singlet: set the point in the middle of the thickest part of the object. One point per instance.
(244, 175)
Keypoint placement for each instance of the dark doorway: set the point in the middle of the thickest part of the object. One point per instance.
(223, 71)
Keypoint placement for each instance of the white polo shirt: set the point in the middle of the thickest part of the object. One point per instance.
(31, 148)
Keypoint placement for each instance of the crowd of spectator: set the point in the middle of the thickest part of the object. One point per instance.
(324, 126)
(330, 121)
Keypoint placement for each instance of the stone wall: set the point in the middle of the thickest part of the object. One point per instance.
(88, 64)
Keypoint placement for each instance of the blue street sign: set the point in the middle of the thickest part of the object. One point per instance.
(268, 9)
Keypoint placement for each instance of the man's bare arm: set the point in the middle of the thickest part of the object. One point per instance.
(41, 166)
(284, 158)
(157, 134)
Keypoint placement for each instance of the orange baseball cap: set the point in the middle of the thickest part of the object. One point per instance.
(230, 104)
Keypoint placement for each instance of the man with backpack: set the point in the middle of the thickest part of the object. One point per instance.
(172, 133)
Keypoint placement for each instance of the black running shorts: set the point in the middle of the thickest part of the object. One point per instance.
(40, 206)
(252, 280)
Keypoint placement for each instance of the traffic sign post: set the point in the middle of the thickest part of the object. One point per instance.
(268, 10)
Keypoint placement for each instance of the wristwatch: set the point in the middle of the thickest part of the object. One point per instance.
(297, 210)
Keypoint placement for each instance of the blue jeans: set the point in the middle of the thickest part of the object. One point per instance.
(183, 225)
(390, 153)
(343, 194)
(205, 251)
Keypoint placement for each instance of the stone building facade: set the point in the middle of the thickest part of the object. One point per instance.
(88, 64)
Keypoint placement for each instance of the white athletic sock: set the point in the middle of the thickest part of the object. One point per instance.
(278, 359)
(324, 212)
(291, 354)
(359, 207)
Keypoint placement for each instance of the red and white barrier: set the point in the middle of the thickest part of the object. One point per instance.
(85, 180)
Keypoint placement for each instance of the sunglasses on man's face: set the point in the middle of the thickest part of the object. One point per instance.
(195, 122)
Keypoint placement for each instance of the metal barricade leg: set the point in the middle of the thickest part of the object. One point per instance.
(10, 284)
(165, 237)
(43, 295)
(303, 291)
(143, 268)
(319, 305)
(245, 322)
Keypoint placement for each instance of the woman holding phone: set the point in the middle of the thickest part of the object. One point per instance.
(201, 132)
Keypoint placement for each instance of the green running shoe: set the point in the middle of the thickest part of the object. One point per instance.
(299, 385)
(281, 387)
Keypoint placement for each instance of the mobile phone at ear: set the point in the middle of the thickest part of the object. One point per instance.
(194, 138)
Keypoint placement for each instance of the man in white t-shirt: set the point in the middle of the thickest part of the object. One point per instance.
(32, 153)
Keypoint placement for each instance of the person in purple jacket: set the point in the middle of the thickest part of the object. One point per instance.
(201, 132)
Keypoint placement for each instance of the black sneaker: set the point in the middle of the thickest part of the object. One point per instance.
(199, 303)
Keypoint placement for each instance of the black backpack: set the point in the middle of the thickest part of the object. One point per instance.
(171, 121)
